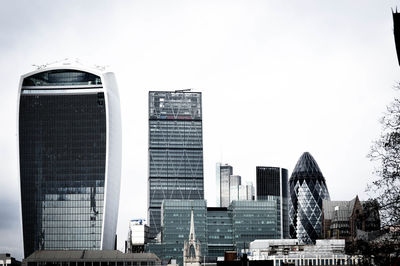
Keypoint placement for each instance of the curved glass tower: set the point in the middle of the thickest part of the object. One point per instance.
(69, 158)
(307, 190)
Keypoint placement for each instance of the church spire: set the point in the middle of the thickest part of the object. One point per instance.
(192, 236)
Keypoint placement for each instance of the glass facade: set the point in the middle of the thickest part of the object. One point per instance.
(253, 220)
(272, 183)
(176, 227)
(62, 152)
(224, 171)
(220, 232)
(175, 150)
(307, 190)
(218, 229)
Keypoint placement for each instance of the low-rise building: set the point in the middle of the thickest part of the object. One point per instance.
(280, 251)
(90, 258)
(138, 236)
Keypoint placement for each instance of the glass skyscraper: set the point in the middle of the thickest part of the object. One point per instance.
(69, 158)
(224, 171)
(175, 150)
(272, 183)
(307, 191)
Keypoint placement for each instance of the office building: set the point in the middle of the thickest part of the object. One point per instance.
(224, 171)
(218, 229)
(246, 191)
(69, 157)
(219, 232)
(175, 150)
(234, 182)
(272, 182)
(307, 191)
(176, 216)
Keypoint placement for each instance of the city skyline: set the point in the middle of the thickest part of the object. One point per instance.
(277, 79)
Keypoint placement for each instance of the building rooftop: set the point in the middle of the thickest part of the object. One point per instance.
(345, 209)
(307, 167)
(89, 255)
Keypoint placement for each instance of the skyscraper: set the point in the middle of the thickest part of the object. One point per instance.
(175, 150)
(69, 157)
(272, 183)
(224, 171)
(307, 191)
(234, 182)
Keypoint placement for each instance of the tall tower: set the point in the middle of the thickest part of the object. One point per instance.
(224, 171)
(307, 191)
(175, 150)
(69, 157)
(272, 183)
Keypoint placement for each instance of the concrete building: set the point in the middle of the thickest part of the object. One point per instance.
(69, 132)
(235, 182)
(323, 252)
(138, 236)
(90, 258)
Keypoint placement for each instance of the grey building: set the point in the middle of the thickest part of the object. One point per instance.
(69, 157)
(90, 258)
(223, 172)
(272, 183)
(175, 150)
(234, 182)
(307, 191)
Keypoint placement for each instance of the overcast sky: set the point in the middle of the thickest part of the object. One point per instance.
(278, 78)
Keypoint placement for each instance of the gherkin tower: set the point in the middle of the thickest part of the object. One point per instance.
(307, 190)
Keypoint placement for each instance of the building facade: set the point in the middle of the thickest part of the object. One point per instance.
(224, 171)
(90, 258)
(246, 191)
(291, 252)
(307, 191)
(175, 150)
(218, 229)
(235, 181)
(272, 182)
(69, 157)
(138, 236)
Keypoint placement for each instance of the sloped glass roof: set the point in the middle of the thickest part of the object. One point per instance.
(307, 168)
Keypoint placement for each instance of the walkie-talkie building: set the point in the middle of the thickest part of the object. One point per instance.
(307, 190)
(69, 158)
(175, 150)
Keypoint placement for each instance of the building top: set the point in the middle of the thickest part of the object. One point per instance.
(340, 210)
(307, 168)
(89, 255)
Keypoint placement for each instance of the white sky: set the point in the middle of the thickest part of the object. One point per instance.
(278, 78)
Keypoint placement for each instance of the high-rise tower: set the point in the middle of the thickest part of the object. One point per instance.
(175, 150)
(69, 157)
(307, 190)
(224, 171)
(272, 183)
